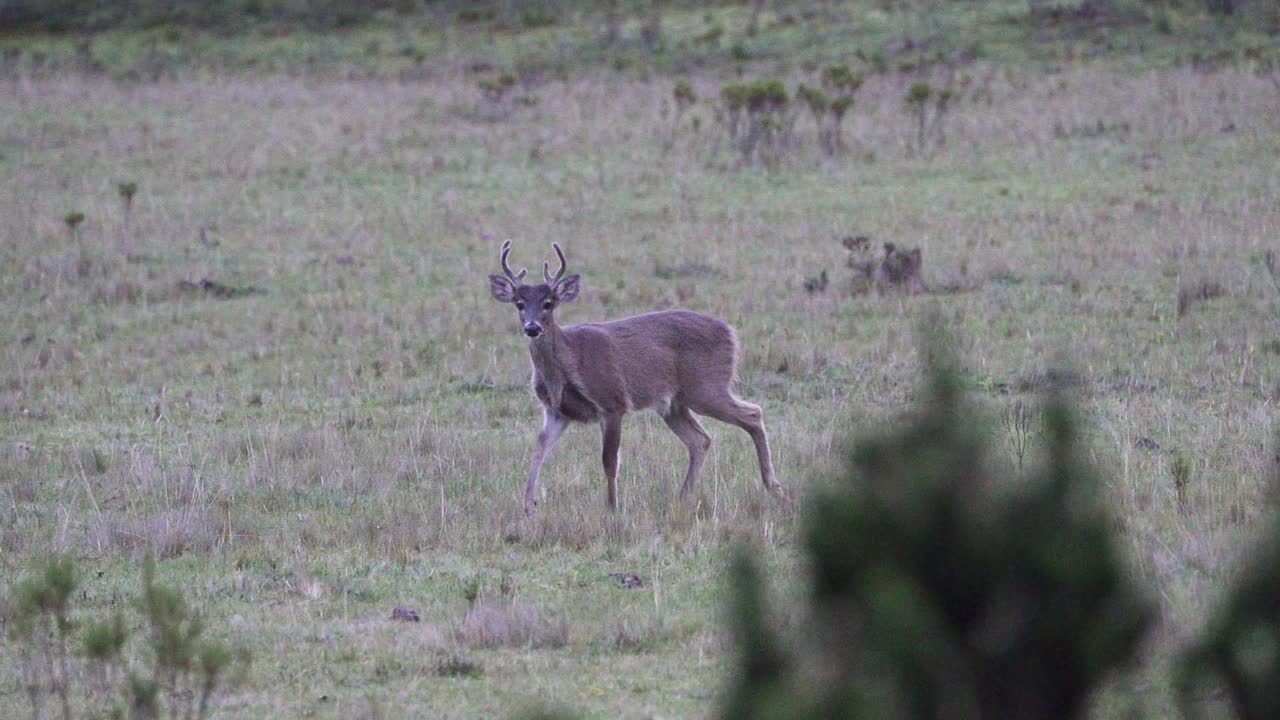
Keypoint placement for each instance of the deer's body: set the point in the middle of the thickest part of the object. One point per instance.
(645, 362)
(674, 362)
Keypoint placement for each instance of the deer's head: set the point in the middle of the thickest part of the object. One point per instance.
(534, 303)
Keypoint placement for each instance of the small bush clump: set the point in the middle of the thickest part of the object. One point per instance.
(72, 220)
(497, 96)
(458, 666)
(685, 98)
(830, 104)
(758, 119)
(928, 107)
(759, 115)
(87, 663)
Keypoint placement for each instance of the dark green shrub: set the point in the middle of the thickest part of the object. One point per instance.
(829, 105)
(72, 220)
(821, 109)
(759, 123)
(940, 591)
(127, 190)
(814, 99)
(711, 36)
(685, 98)
(683, 94)
(839, 107)
(497, 86)
(928, 106)
(497, 99)
(839, 78)
(538, 17)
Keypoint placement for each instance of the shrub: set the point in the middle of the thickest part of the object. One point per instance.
(759, 123)
(40, 621)
(538, 17)
(497, 100)
(928, 106)
(839, 78)
(176, 664)
(72, 220)
(495, 88)
(815, 100)
(1241, 646)
(684, 95)
(685, 98)
(938, 591)
(829, 104)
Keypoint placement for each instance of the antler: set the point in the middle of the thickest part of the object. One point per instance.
(546, 268)
(515, 278)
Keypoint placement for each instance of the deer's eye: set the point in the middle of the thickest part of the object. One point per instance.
(519, 306)
(546, 305)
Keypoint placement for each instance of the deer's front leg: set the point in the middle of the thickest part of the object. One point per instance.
(611, 435)
(552, 425)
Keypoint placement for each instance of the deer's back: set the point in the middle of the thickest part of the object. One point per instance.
(654, 359)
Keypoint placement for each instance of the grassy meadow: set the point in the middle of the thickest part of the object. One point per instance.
(278, 369)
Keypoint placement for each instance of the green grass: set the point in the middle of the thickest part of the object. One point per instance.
(354, 437)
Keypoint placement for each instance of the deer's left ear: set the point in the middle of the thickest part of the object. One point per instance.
(567, 289)
(501, 289)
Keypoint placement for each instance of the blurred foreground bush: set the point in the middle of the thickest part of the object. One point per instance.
(1241, 648)
(940, 590)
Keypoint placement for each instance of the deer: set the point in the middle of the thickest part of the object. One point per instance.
(678, 363)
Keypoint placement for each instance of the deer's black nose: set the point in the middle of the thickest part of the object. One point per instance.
(533, 330)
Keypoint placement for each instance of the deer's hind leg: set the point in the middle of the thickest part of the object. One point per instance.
(728, 408)
(611, 439)
(690, 431)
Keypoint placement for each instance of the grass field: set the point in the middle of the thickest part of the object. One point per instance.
(338, 422)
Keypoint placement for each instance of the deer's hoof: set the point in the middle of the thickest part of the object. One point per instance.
(780, 494)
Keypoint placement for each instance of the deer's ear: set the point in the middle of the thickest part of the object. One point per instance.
(501, 289)
(567, 289)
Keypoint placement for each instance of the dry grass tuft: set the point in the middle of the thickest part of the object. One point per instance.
(1197, 292)
(458, 666)
(21, 473)
(163, 535)
(510, 624)
(628, 636)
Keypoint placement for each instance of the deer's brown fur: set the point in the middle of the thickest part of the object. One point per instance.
(675, 362)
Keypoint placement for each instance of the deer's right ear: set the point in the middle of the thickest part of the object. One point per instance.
(501, 289)
(567, 289)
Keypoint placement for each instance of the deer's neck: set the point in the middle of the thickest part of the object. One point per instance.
(551, 356)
